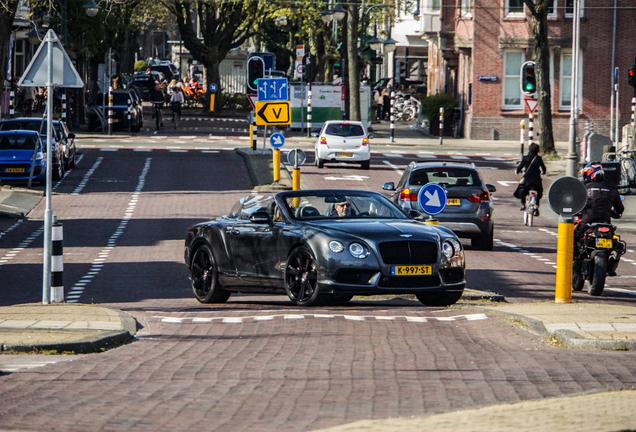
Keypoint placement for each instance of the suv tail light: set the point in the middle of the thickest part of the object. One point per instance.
(482, 197)
(323, 140)
(406, 195)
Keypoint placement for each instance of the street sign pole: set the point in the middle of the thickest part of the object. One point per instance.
(48, 213)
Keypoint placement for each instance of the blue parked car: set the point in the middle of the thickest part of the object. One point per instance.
(16, 156)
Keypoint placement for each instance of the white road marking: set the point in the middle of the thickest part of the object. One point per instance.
(357, 318)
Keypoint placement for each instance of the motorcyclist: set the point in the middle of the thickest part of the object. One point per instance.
(603, 204)
(534, 166)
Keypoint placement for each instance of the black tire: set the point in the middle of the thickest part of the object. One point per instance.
(597, 283)
(577, 280)
(340, 298)
(320, 163)
(205, 281)
(446, 298)
(58, 171)
(301, 277)
(484, 242)
(365, 164)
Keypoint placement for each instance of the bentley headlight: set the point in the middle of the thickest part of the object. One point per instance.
(448, 250)
(457, 245)
(336, 246)
(358, 251)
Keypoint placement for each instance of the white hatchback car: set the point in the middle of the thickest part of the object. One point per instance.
(343, 141)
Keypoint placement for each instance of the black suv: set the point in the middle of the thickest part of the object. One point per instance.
(120, 111)
(468, 209)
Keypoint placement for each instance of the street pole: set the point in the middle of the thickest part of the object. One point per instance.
(48, 226)
(571, 166)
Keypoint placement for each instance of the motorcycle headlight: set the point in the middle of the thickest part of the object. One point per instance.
(358, 251)
(448, 250)
(336, 246)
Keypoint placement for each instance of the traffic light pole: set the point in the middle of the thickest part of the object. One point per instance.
(572, 158)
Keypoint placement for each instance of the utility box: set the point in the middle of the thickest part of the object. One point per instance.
(595, 146)
(612, 172)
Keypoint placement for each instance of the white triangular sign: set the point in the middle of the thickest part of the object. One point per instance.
(252, 98)
(64, 74)
(531, 104)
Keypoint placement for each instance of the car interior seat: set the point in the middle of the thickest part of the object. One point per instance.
(5, 144)
(307, 212)
(462, 182)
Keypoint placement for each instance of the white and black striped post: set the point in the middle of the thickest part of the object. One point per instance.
(110, 110)
(309, 112)
(523, 136)
(11, 104)
(441, 125)
(57, 262)
(129, 113)
(530, 129)
(64, 107)
(254, 133)
(392, 114)
(633, 107)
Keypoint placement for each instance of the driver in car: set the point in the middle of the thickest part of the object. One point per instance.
(343, 208)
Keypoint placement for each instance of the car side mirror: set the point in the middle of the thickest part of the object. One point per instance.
(491, 188)
(71, 135)
(417, 215)
(260, 217)
(314, 134)
(371, 136)
(389, 186)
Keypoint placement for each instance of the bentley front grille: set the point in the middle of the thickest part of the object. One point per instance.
(408, 252)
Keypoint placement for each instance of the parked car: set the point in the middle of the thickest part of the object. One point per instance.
(17, 149)
(63, 144)
(323, 245)
(468, 209)
(169, 70)
(120, 111)
(343, 141)
(145, 83)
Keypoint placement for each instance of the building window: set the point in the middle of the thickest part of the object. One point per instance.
(467, 7)
(514, 7)
(512, 80)
(433, 5)
(19, 57)
(565, 81)
(569, 8)
(552, 9)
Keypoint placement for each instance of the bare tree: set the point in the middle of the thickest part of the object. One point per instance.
(541, 57)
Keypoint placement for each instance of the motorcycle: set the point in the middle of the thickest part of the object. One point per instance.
(599, 252)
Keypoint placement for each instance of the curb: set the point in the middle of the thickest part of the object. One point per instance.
(567, 337)
(473, 294)
(107, 340)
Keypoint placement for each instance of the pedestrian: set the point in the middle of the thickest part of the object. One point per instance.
(386, 104)
(176, 101)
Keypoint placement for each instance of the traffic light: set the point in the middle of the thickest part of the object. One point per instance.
(528, 79)
(255, 70)
(401, 69)
(630, 77)
(309, 68)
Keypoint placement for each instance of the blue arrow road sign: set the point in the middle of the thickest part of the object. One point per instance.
(277, 140)
(272, 89)
(432, 198)
(213, 88)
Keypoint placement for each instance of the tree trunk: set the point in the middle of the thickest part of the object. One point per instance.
(542, 74)
(353, 63)
(7, 15)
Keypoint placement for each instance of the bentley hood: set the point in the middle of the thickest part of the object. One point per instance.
(380, 230)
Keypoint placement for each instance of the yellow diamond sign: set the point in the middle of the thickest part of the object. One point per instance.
(273, 113)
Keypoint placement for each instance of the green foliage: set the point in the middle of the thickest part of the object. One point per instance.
(432, 104)
(140, 65)
(228, 101)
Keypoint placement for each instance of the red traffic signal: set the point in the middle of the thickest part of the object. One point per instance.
(631, 80)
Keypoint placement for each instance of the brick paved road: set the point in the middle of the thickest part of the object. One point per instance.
(259, 363)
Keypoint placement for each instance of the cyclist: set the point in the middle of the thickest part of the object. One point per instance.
(533, 165)
(176, 101)
(157, 103)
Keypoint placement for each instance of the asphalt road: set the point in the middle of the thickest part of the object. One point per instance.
(258, 362)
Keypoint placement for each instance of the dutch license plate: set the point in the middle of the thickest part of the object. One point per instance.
(344, 154)
(453, 201)
(15, 170)
(604, 243)
(410, 270)
(115, 120)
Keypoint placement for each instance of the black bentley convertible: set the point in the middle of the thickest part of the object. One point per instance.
(323, 245)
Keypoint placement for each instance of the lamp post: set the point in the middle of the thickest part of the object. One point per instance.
(334, 16)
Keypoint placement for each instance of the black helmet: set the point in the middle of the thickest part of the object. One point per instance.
(593, 172)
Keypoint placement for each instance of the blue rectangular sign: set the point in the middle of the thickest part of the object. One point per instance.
(272, 89)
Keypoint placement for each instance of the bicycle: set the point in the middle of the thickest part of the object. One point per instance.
(175, 107)
(532, 208)
(158, 114)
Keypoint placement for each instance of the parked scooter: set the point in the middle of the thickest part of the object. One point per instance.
(596, 256)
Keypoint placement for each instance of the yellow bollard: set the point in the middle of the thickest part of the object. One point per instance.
(212, 97)
(276, 165)
(296, 179)
(565, 250)
(431, 221)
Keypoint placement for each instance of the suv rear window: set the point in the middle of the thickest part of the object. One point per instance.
(345, 130)
(118, 98)
(449, 177)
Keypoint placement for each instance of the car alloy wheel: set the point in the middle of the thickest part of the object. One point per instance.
(205, 283)
(301, 277)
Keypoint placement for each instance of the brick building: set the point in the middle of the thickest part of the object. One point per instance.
(476, 49)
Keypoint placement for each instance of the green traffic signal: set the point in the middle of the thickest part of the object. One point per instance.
(529, 87)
